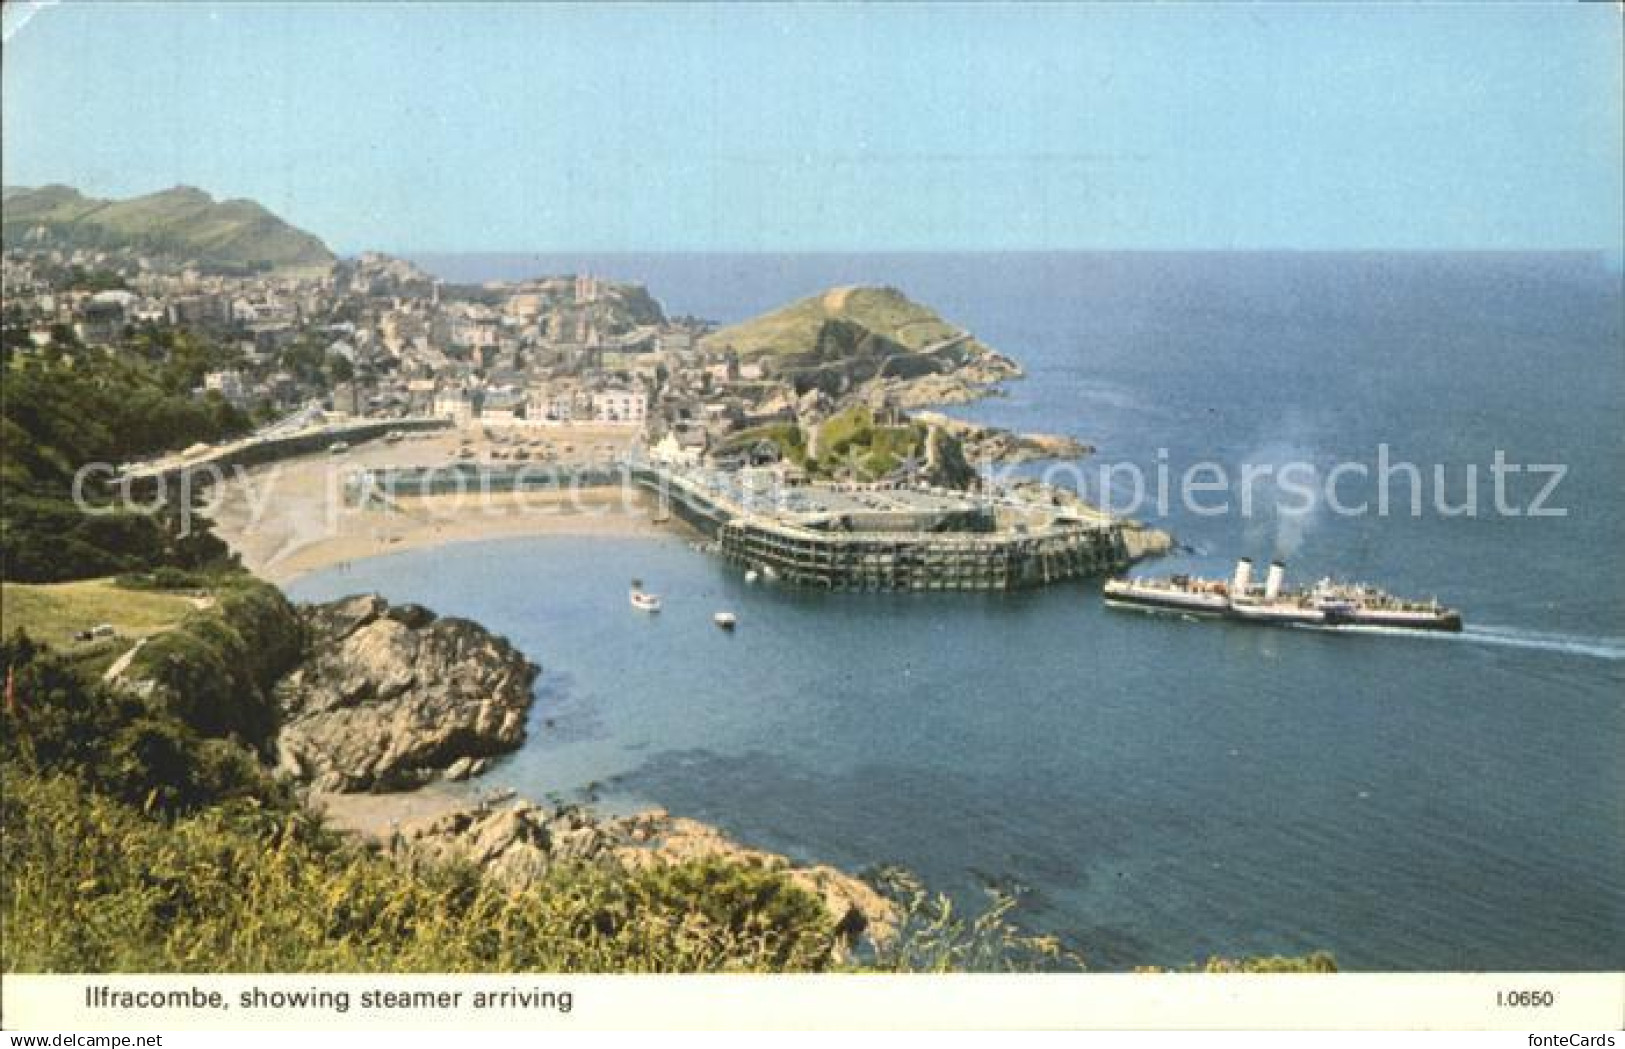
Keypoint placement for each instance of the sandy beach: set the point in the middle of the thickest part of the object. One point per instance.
(289, 518)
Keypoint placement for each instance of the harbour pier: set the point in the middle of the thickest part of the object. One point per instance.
(849, 537)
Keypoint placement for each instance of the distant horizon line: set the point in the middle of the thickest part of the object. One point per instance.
(1598, 252)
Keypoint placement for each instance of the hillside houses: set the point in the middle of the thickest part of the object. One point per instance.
(377, 336)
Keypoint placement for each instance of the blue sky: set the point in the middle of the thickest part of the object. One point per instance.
(843, 127)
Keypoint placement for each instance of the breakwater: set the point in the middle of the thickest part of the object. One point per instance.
(1000, 560)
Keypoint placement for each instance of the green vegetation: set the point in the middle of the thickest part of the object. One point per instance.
(95, 885)
(65, 408)
(139, 838)
(853, 445)
(54, 613)
(45, 538)
(1314, 962)
(934, 937)
(796, 328)
(182, 223)
(216, 669)
(134, 749)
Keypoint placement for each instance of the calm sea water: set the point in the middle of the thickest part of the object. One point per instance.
(1156, 790)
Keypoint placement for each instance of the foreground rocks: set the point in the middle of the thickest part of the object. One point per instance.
(519, 843)
(390, 697)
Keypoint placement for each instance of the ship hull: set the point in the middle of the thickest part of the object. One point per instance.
(1215, 606)
(1275, 615)
(1441, 622)
(1184, 604)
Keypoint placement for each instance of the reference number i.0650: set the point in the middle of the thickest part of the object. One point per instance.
(1525, 999)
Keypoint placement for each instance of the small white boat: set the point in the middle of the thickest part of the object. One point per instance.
(751, 575)
(725, 620)
(642, 600)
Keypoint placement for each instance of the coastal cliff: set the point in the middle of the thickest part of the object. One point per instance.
(521, 844)
(389, 697)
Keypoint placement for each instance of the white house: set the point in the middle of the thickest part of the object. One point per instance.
(453, 405)
(620, 406)
(680, 447)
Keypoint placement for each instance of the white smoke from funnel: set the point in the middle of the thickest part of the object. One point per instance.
(1282, 511)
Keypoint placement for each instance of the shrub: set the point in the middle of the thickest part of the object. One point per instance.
(113, 740)
(94, 886)
(216, 669)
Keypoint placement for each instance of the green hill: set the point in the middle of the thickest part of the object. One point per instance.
(182, 223)
(796, 328)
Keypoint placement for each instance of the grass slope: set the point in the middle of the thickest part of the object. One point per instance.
(795, 328)
(54, 612)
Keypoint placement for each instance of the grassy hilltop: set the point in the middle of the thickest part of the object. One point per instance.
(183, 222)
(796, 328)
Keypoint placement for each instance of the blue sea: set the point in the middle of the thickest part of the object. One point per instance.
(1157, 790)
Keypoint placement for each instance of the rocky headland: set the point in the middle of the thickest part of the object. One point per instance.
(392, 696)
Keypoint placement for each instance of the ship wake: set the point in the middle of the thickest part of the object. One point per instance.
(1512, 637)
(1542, 641)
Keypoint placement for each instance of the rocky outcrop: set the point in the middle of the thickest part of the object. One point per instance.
(990, 444)
(1141, 541)
(519, 843)
(390, 697)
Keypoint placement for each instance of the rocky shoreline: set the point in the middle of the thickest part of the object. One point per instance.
(992, 444)
(518, 842)
(392, 698)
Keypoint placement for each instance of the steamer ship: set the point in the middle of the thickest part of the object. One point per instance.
(1328, 604)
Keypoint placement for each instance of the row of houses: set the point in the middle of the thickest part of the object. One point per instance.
(544, 406)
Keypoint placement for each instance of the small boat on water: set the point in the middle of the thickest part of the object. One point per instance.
(642, 600)
(725, 620)
(751, 575)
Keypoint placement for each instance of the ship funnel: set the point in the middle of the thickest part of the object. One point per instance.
(1243, 577)
(1272, 582)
